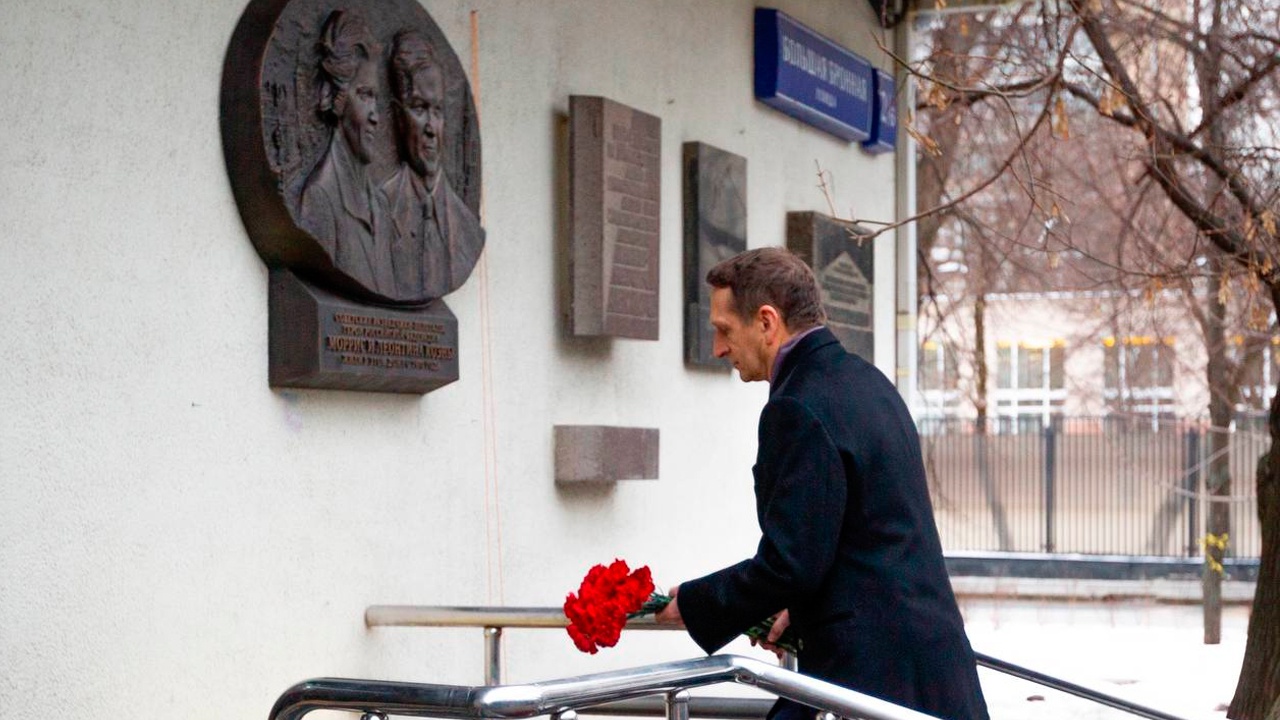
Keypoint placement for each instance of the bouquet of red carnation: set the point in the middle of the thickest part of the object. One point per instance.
(609, 596)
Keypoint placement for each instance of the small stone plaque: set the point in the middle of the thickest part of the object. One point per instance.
(614, 194)
(600, 453)
(845, 267)
(321, 340)
(715, 229)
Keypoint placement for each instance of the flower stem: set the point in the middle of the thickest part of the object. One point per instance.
(758, 632)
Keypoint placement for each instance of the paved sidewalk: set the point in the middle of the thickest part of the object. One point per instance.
(1140, 650)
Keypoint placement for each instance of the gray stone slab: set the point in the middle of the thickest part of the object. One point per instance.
(614, 196)
(715, 229)
(845, 267)
(321, 340)
(603, 453)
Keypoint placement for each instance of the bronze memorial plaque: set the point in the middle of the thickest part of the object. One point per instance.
(715, 229)
(614, 178)
(845, 267)
(335, 342)
(353, 148)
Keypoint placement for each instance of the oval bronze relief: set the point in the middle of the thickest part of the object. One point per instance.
(353, 147)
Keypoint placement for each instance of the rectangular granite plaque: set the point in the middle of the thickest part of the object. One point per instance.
(603, 453)
(845, 267)
(614, 194)
(715, 229)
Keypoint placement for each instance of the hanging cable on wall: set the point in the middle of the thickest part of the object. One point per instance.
(492, 496)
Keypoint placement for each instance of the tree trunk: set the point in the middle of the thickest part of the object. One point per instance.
(1218, 475)
(981, 448)
(1258, 692)
(1208, 71)
(934, 170)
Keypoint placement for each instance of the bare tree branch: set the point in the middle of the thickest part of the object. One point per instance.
(1238, 92)
(1162, 144)
(971, 96)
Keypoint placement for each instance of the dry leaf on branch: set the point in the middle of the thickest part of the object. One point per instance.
(1060, 125)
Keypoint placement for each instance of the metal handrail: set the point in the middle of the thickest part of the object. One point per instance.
(494, 619)
(554, 697)
(459, 616)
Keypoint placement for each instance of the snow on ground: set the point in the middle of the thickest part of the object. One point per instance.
(1139, 650)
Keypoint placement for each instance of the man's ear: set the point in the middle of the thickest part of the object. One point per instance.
(770, 321)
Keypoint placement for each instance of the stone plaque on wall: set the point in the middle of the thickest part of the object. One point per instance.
(845, 268)
(614, 194)
(603, 454)
(353, 149)
(332, 342)
(715, 229)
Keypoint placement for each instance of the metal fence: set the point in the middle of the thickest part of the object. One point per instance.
(1099, 485)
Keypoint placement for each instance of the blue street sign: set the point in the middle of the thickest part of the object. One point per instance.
(884, 122)
(812, 79)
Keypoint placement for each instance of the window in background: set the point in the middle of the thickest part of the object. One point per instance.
(1261, 371)
(1030, 384)
(1138, 375)
(939, 376)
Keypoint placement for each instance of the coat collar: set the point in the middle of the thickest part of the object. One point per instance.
(808, 345)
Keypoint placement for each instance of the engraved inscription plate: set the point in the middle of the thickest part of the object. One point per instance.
(845, 268)
(320, 340)
(353, 147)
(615, 155)
(715, 229)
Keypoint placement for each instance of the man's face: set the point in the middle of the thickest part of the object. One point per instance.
(360, 117)
(422, 118)
(740, 341)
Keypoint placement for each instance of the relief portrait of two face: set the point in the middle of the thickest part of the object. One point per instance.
(406, 235)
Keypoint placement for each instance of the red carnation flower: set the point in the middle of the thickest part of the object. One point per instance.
(609, 596)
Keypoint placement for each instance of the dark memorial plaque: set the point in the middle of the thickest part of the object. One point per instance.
(614, 195)
(331, 341)
(715, 229)
(353, 148)
(845, 268)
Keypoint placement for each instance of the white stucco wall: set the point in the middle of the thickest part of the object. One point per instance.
(178, 539)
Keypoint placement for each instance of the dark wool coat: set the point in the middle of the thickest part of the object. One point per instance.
(849, 543)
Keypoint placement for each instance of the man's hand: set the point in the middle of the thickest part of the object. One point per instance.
(670, 614)
(780, 623)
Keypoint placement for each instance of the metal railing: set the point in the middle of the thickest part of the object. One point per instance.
(560, 697)
(494, 619)
(1089, 485)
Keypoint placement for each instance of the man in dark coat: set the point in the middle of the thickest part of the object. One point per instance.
(849, 555)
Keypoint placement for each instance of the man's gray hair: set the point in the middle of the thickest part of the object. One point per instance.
(771, 276)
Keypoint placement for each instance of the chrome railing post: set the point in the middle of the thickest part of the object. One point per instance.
(789, 661)
(493, 656)
(566, 715)
(678, 705)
